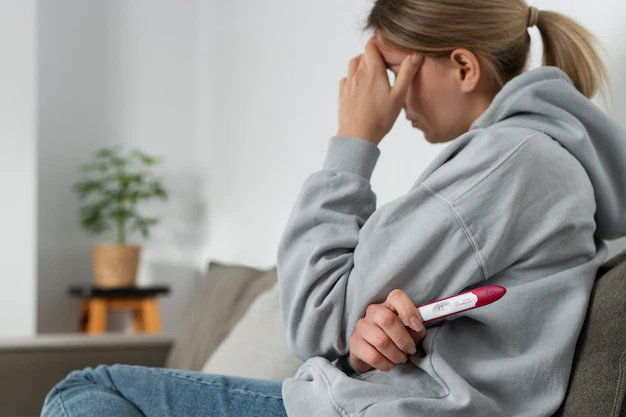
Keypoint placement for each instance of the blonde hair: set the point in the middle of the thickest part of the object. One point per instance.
(495, 31)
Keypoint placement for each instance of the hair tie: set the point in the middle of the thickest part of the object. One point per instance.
(533, 16)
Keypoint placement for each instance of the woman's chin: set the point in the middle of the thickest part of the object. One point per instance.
(432, 139)
(426, 135)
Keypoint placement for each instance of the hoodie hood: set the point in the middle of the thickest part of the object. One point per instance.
(546, 100)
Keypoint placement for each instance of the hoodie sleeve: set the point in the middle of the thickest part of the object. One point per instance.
(338, 253)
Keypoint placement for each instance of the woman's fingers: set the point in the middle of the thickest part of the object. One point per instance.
(410, 65)
(353, 65)
(381, 340)
(364, 356)
(342, 85)
(388, 339)
(367, 107)
(391, 325)
(417, 338)
(401, 303)
(373, 58)
(376, 348)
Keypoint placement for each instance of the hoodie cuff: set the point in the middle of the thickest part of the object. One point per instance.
(351, 154)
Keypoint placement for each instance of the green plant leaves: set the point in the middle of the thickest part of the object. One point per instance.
(116, 182)
(143, 224)
(146, 159)
(86, 187)
(93, 219)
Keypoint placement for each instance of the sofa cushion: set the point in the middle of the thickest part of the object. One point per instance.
(256, 347)
(598, 380)
(220, 301)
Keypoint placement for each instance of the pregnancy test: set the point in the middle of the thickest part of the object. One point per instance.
(464, 301)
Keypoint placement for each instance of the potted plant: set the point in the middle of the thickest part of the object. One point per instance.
(114, 185)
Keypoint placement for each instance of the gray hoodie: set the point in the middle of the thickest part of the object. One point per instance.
(523, 200)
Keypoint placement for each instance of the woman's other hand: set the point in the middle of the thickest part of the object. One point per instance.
(368, 105)
(380, 339)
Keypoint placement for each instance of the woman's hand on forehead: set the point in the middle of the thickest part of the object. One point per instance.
(368, 104)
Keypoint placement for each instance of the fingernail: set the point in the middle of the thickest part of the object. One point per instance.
(405, 359)
(412, 350)
(416, 324)
(415, 58)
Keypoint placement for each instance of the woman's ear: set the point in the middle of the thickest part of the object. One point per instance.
(466, 69)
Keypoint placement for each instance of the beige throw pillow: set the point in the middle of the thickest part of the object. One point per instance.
(220, 301)
(256, 346)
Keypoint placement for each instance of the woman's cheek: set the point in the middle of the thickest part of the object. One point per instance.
(414, 95)
(413, 104)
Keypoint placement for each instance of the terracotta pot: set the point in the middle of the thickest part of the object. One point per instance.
(115, 265)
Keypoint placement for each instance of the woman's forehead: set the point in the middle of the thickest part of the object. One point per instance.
(391, 55)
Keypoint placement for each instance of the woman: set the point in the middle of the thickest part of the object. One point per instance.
(522, 198)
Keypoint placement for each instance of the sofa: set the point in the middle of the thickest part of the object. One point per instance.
(232, 326)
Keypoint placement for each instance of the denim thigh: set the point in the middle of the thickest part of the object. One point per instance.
(132, 390)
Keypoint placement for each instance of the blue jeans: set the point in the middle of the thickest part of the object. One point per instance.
(130, 390)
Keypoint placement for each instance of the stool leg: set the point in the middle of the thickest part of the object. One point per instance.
(84, 315)
(138, 321)
(151, 318)
(97, 316)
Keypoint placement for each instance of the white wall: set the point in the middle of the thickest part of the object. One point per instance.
(117, 72)
(18, 49)
(277, 66)
(239, 97)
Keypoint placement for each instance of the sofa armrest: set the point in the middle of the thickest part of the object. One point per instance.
(30, 367)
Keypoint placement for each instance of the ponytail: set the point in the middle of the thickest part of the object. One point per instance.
(572, 48)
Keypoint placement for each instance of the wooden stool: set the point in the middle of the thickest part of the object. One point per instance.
(98, 301)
